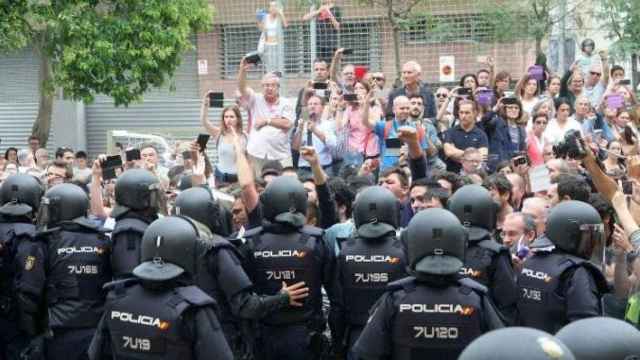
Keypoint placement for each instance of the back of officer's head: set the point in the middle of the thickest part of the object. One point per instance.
(284, 202)
(601, 338)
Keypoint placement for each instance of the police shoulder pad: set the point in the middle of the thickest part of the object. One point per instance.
(598, 277)
(312, 231)
(195, 296)
(120, 284)
(251, 232)
(23, 229)
(491, 245)
(88, 224)
(473, 285)
(130, 224)
(408, 283)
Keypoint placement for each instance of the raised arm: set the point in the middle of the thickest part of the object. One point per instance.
(335, 64)
(211, 129)
(95, 190)
(242, 78)
(250, 196)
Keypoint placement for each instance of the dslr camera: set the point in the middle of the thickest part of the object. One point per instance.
(571, 146)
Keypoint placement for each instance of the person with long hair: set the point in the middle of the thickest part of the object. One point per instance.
(501, 84)
(614, 162)
(562, 123)
(625, 132)
(226, 171)
(362, 143)
(469, 81)
(505, 130)
(271, 44)
(527, 93)
(553, 86)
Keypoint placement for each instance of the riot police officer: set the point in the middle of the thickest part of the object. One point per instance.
(486, 261)
(137, 195)
(601, 338)
(285, 250)
(20, 196)
(159, 314)
(434, 313)
(560, 286)
(76, 267)
(368, 261)
(219, 272)
(517, 343)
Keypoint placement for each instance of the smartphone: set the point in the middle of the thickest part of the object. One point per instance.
(464, 92)
(108, 174)
(394, 146)
(252, 58)
(186, 155)
(626, 82)
(203, 139)
(216, 100)
(111, 162)
(347, 52)
(320, 85)
(350, 97)
(132, 155)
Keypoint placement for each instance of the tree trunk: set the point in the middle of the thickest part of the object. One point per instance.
(42, 125)
(538, 46)
(396, 54)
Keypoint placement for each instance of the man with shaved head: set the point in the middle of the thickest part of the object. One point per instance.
(411, 85)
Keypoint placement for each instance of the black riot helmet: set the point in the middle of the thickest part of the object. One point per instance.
(20, 195)
(169, 249)
(199, 204)
(136, 189)
(285, 201)
(436, 242)
(63, 202)
(575, 227)
(601, 338)
(476, 210)
(517, 342)
(376, 212)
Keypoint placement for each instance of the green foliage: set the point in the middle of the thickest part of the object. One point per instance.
(622, 19)
(120, 48)
(516, 20)
(14, 28)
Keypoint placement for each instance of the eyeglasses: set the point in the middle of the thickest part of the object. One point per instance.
(441, 95)
(512, 107)
(595, 73)
(541, 123)
(378, 78)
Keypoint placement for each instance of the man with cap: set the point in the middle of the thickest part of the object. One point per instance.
(486, 261)
(601, 338)
(517, 342)
(137, 195)
(434, 313)
(20, 196)
(70, 275)
(219, 273)
(284, 249)
(160, 314)
(372, 258)
(560, 285)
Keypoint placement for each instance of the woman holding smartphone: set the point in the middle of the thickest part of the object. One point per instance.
(226, 171)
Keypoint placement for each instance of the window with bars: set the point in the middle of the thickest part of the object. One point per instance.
(361, 35)
(429, 29)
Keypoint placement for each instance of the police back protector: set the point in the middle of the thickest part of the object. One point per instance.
(367, 267)
(126, 238)
(479, 260)
(145, 324)
(291, 258)
(542, 282)
(78, 267)
(434, 322)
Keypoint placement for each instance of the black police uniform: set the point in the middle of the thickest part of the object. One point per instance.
(159, 314)
(486, 261)
(370, 260)
(557, 288)
(435, 313)
(137, 198)
(158, 322)
(19, 316)
(560, 286)
(77, 268)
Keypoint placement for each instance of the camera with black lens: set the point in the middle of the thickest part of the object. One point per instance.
(571, 146)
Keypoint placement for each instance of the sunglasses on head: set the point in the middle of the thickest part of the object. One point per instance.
(441, 95)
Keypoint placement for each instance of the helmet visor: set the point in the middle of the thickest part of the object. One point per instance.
(591, 237)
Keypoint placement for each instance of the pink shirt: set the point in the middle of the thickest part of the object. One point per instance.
(360, 135)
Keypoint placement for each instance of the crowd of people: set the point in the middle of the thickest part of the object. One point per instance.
(360, 222)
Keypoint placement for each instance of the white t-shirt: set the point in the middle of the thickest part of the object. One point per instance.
(554, 133)
(268, 142)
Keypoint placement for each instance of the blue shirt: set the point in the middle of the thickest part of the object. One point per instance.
(389, 160)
